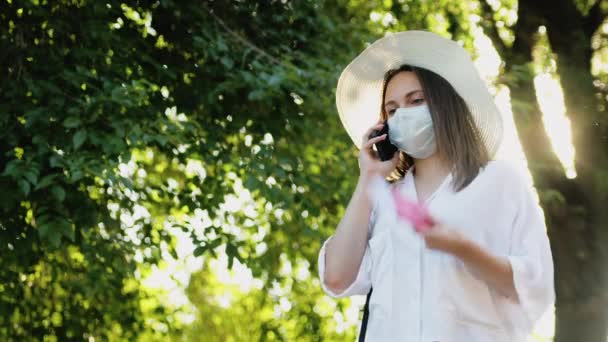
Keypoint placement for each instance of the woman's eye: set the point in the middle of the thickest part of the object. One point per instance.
(391, 112)
(418, 101)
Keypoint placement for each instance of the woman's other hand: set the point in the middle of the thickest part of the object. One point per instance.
(443, 238)
(495, 270)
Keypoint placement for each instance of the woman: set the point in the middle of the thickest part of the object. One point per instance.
(483, 271)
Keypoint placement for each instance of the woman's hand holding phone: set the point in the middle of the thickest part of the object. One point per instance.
(369, 162)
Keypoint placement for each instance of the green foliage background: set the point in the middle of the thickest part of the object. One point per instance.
(120, 121)
(243, 90)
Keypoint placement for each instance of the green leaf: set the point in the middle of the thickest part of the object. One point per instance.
(64, 227)
(230, 261)
(251, 183)
(257, 94)
(24, 186)
(43, 219)
(79, 138)
(31, 176)
(76, 175)
(71, 122)
(12, 168)
(184, 228)
(198, 251)
(58, 192)
(173, 253)
(275, 79)
(54, 238)
(232, 253)
(227, 62)
(55, 161)
(44, 229)
(127, 182)
(52, 231)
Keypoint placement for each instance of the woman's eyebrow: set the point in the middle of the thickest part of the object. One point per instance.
(413, 92)
(406, 96)
(389, 103)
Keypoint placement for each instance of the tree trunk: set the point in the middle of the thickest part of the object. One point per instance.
(575, 220)
(570, 326)
(574, 210)
(582, 283)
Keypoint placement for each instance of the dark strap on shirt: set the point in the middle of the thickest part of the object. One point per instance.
(365, 317)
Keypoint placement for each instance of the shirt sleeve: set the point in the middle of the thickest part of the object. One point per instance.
(531, 260)
(362, 283)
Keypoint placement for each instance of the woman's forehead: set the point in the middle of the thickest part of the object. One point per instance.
(401, 84)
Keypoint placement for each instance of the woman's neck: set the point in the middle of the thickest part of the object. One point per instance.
(431, 170)
(428, 176)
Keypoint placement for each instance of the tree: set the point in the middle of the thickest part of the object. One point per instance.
(119, 119)
(573, 208)
(74, 105)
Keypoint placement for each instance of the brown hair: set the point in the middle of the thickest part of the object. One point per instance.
(458, 140)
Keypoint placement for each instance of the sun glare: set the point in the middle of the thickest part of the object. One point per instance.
(551, 101)
(552, 105)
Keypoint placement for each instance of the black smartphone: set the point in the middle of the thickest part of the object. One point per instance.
(385, 149)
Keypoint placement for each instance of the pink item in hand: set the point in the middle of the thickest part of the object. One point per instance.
(414, 212)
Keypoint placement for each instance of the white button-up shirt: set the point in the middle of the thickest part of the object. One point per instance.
(424, 295)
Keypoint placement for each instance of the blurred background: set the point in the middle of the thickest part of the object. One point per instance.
(169, 169)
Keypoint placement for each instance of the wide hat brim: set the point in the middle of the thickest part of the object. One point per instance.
(359, 90)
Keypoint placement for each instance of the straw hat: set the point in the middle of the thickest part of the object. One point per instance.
(359, 90)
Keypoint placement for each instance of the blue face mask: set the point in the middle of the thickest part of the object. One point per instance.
(411, 130)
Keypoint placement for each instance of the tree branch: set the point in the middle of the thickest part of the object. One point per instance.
(489, 28)
(594, 19)
(241, 38)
